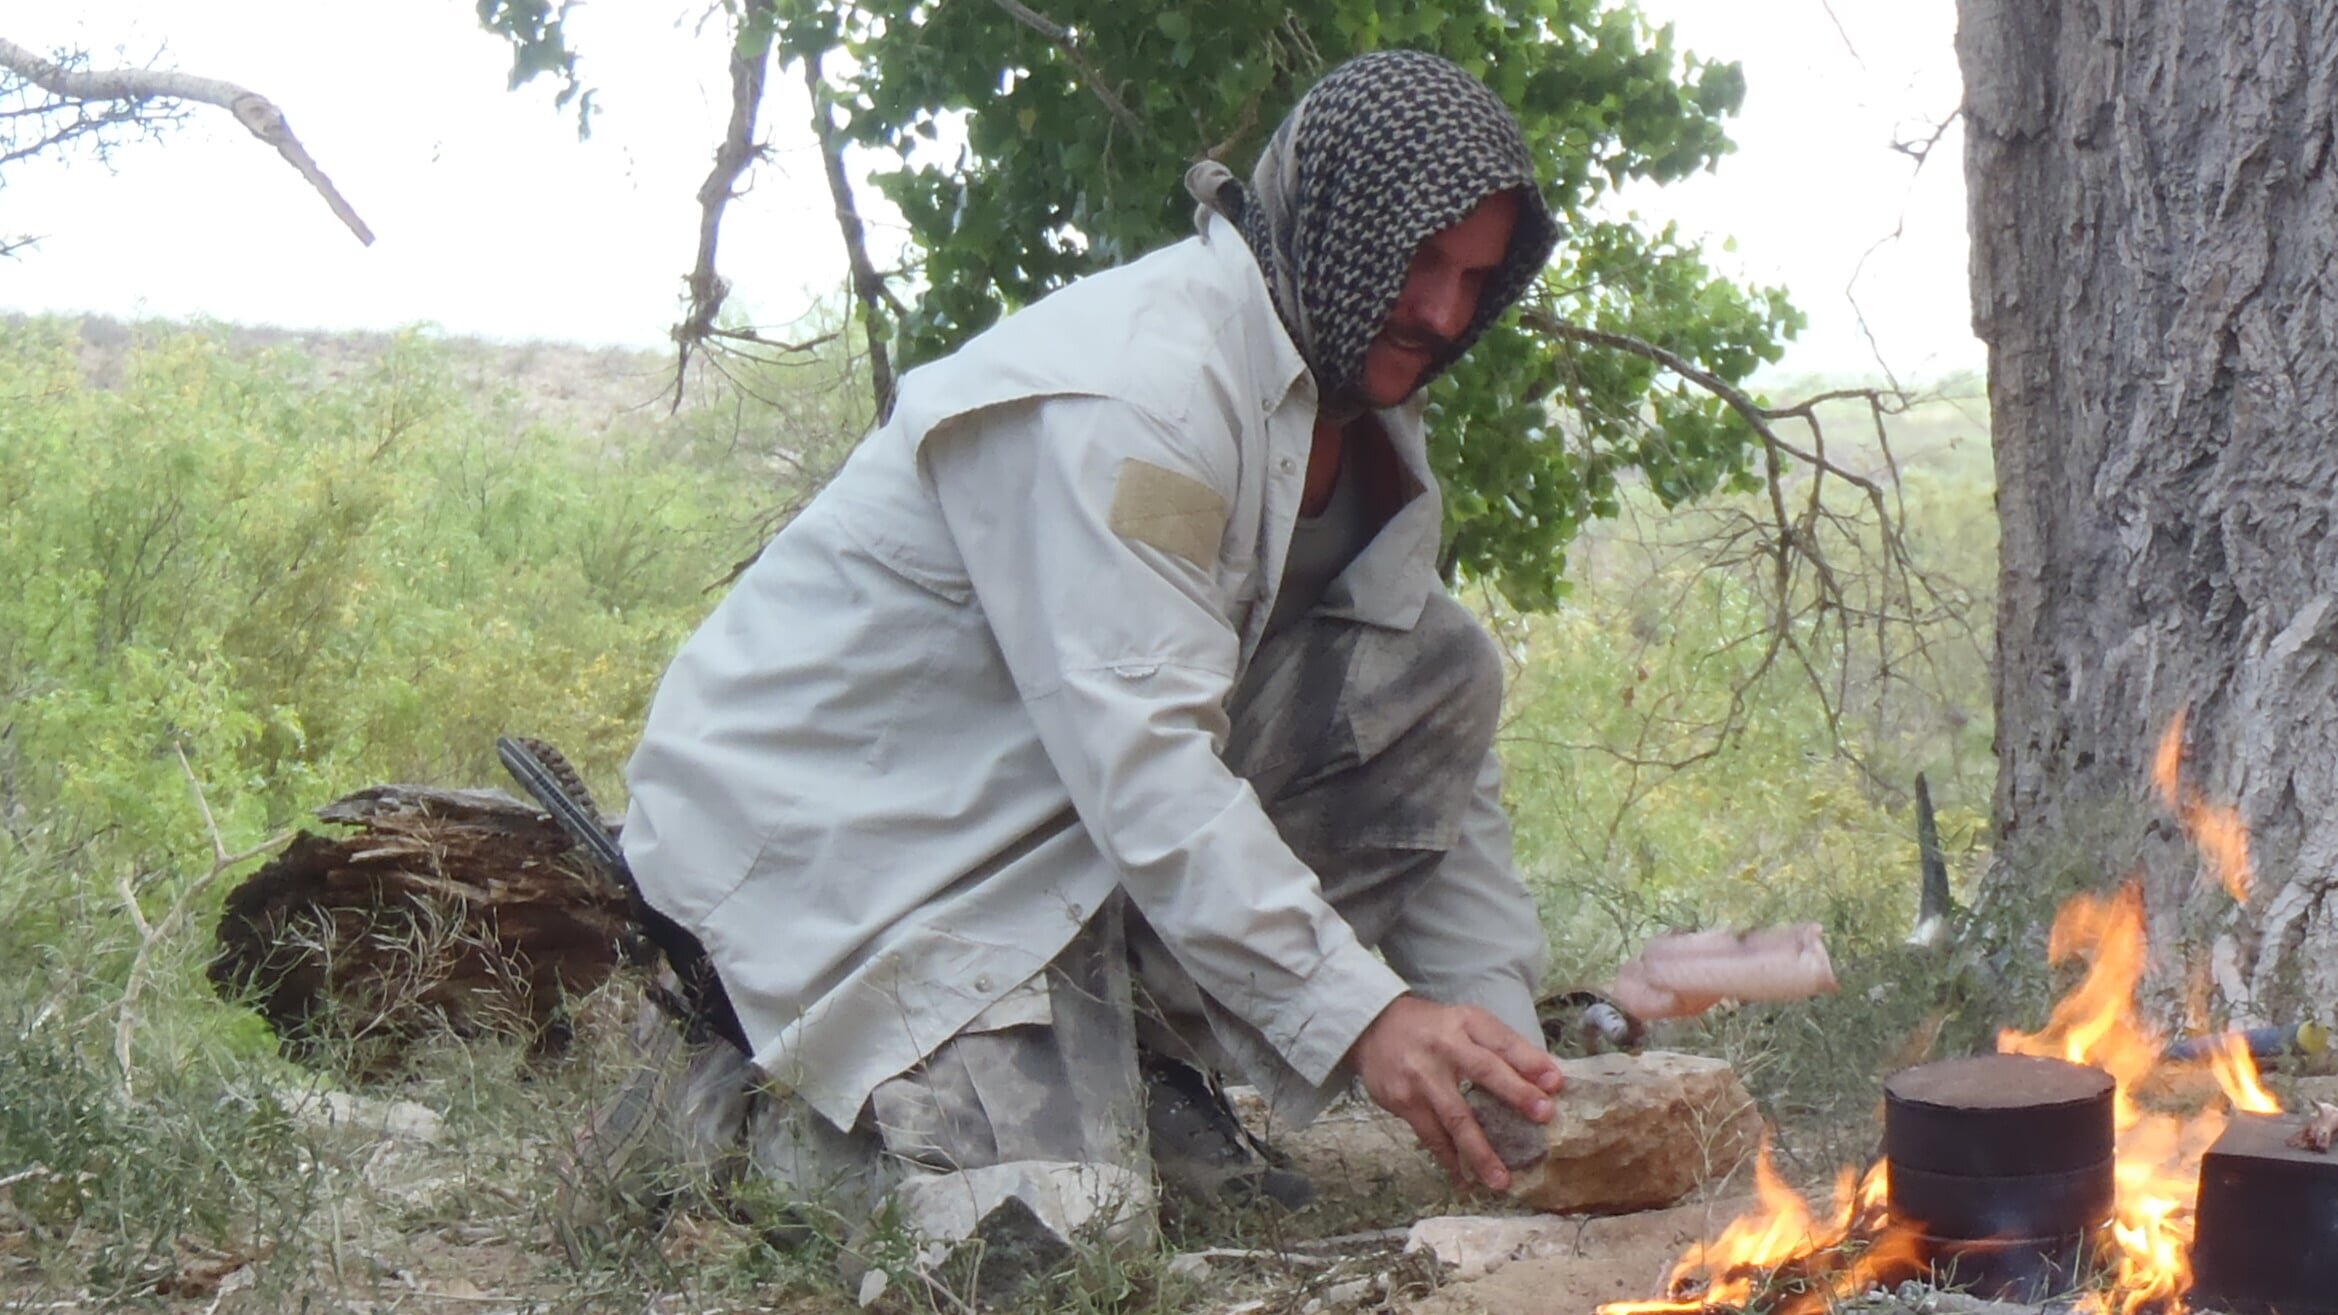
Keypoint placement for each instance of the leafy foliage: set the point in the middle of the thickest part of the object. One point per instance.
(307, 586)
(538, 33)
(1033, 144)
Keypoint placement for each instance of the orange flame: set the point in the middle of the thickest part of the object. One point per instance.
(2157, 1163)
(1830, 1262)
(2096, 1024)
(2236, 1073)
(2216, 830)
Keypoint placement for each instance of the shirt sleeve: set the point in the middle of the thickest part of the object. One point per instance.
(1090, 531)
(1472, 934)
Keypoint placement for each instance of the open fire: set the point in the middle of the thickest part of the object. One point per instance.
(1794, 1262)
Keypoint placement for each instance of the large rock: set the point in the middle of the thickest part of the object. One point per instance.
(1632, 1132)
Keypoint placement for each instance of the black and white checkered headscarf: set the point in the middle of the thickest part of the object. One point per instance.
(1386, 150)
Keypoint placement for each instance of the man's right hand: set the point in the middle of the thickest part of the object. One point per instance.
(1415, 1056)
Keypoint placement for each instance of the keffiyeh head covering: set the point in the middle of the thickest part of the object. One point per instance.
(1386, 150)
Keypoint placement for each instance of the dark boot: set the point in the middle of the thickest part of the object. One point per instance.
(1201, 1151)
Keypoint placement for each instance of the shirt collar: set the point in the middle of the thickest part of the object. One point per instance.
(1388, 583)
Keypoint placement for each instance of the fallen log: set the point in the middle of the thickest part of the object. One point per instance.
(446, 911)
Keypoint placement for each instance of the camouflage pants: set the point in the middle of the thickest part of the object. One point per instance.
(1364, 745)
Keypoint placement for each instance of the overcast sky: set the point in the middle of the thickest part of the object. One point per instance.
(494, 220)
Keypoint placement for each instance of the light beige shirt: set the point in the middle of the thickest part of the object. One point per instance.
(980, 682)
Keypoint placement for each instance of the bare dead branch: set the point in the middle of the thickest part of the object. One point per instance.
(1066, 41)
(868, 285)
(1920, 151)
(44, 124)
(753, 338)
(1756, 416)
(1842, 32)
(732, 157)
(1815, 610)
(253, 110)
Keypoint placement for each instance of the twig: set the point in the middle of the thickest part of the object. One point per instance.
(153, 934)
(255, 111)
(1805, 591)
(1756, 416)
(783, 348)
(28, 1171)
(1063, 39)
(1922, 151)
(1842, 32)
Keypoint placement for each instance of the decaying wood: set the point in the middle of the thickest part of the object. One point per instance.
(446, 911)
(254, 111)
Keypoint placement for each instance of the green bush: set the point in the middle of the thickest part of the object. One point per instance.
(286, 580)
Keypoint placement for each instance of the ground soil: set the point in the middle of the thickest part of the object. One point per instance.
(1371, 1171)
(1619, 1258)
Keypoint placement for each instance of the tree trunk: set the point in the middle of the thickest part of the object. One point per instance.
(2155, 229)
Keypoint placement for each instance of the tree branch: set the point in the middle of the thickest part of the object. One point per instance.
(732, 157)
(1063, 39)
(1809, 595)
(1756, 416)
(867, 284)
(255, 111)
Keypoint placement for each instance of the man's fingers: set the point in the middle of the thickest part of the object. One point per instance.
(1433, 1138)
(1495, 1075)
(1470, 1146)
(1527, 1058)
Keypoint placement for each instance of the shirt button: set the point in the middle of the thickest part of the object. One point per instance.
(1288, 465)
(982, 983)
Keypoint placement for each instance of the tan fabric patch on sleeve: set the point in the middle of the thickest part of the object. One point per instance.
(1175, 513)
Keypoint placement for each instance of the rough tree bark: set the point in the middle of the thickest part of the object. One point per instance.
(2154, 219)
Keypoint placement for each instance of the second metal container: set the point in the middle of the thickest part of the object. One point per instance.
(2003, 1166)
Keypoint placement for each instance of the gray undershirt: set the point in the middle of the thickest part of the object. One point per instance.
(1321, 548)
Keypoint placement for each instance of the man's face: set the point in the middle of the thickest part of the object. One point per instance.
(1439, 299)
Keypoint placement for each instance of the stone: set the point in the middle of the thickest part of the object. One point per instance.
(1016, 1223)
(1634, 1132)
(1473, 1246)
(390, 1120)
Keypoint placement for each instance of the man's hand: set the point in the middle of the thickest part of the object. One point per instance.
(1413, 1059)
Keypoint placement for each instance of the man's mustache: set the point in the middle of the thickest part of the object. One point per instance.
(1428, 344)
